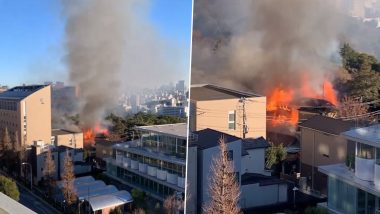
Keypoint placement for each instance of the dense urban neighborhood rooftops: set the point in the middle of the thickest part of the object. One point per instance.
(213, 92)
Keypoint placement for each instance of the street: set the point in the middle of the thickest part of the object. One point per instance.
(34, 203)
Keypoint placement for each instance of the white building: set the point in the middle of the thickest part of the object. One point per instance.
(356, 189)
(248, 156)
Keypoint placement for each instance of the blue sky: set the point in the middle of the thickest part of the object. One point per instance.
(32, 32)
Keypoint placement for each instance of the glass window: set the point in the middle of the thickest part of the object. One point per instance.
(365, 151)
(232, 120)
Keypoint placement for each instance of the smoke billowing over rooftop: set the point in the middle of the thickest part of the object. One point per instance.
(111, 47)
(263, 44)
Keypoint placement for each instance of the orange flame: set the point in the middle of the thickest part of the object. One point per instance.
(282, 101)
(89, 134)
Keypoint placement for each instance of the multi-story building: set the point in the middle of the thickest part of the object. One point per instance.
(174, 111)
(26, 112)
(354, 187)
(322, 144)
(155, 163)
(62, 137)
(39, 153)
(257, 187)
(233, 112)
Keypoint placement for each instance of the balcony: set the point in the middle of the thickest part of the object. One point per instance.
(126, 162)
(181, 182)
(172, 178)
(377, 175)
(142, 167)
(152, 171)
(364, 168)
(161, 174)
(134, 164)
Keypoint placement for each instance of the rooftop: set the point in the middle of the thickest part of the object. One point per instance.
(262, 180)
(56, 132)
(176, 130)
(207, 138)
(21, 92)
(369, 135)
(341, 172)
(327, 125)
(10, 206)
(213, 92)
(255, 143)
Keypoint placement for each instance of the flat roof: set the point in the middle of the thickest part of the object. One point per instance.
(177, 130)
(110, 200)
(21, 92)
(368, 135)
(8, 205)
(262, 180)
(341, 172)
(56, 132)
(213, 92)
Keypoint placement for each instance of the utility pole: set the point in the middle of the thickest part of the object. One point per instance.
(245, 127)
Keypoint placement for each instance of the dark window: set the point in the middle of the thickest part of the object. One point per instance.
(230, 155)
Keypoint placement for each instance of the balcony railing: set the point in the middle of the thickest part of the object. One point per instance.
(364, 168)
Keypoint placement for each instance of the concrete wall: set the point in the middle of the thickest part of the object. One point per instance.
(38, 116)
(213, 114)
(254, 195)
(318, 149)
(254, 162)
(73, 140)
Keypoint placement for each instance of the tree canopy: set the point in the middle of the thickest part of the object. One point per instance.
(365, 74)
(9, 188)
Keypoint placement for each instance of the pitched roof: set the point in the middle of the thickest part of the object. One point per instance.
(207, 138)
(213, 92)
(327, 124)
(255, 143)
(21, 92)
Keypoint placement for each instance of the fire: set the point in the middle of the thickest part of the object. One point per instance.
(282, 102)
(89, 134)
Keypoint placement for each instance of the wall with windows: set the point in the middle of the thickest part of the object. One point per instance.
(164, 144)
(227, 116)
(345, 198)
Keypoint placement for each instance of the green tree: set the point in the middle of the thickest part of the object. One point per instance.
(365, 84)
(9, 188)
(275, 155)
(316, 210)
(138, 197)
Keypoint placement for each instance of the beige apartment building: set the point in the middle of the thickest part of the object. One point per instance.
(26, 112)
(227, 111)
(62, 137)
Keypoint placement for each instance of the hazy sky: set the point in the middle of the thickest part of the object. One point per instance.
(32, 34)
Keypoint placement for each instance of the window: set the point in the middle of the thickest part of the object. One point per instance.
(230, 155)
(232, 120)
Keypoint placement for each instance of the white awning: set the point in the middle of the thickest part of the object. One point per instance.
(110, 200)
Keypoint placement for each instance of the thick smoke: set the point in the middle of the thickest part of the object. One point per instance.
(112, 47)
(262, 44)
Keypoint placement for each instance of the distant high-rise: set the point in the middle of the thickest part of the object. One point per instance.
(180, 86)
